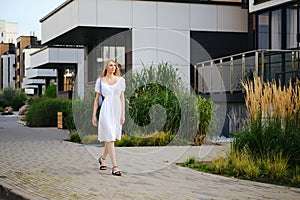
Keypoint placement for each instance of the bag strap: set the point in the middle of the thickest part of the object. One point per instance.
(101, 86)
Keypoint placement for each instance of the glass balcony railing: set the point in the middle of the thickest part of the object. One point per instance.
(225, 74)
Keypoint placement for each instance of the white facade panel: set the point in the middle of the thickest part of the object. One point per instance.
(12, 61)
(60, 22)
(5, 68)
(144, 46)
(12, 32)
(232, 19)
(27, 59)
(144, 14)
(173, 47)
(87, 15)
(40, 58)
(268, 4)
(32, 73)
(64, 55)
(204, 17)
(153, 46)
(114, 13)
(173, 16)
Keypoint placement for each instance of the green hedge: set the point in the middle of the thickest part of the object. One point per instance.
(12, 97)
(43, 113)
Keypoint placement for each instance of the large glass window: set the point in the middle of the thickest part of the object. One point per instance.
(263, 31)
(112, 48)
(291, 26)
(276, 30)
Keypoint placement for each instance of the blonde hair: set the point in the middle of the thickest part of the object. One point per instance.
(106, 63)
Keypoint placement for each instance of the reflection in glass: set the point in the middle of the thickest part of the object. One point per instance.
(263, 31)
(276, 30)
(291, 26)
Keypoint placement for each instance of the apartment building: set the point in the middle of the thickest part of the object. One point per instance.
(59, 61)
(147, 32)
(23, 42)
(8, 32)
(7, 72)
(35, 81)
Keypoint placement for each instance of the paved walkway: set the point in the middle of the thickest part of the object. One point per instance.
(36, 163)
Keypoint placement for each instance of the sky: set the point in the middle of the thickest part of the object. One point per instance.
(27, 13)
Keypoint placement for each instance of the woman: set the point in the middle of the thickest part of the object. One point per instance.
(112, 112)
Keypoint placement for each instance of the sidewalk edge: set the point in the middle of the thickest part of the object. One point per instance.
(10, 192)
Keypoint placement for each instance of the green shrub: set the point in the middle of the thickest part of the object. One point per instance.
(12, 97)
(82, 115)
(276, 166)
(296, 176)
(220, 165)
(43, 113)
(190, 160)
(74, 137)
(157, 95)
(156, 139)
(90, 139)
(50, 91)
(274, 122)
(1, 109)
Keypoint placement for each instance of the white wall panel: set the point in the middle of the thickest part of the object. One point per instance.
(144, 46)
(174, 16)
(60, 22)
(114, 13)
(174, 46)
(203, 17)
(87, 12)
(144, 14)
(232, 18)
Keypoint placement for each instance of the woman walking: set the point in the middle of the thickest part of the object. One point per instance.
(112, 113)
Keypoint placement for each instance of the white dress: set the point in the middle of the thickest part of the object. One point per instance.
(109, 126)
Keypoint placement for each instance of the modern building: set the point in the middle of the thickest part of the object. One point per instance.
(7, 70)
(147, 32)
(8, 32)
(63, 63)
(35, 80)
(23, 42)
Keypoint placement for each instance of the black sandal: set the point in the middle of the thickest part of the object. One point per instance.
(116, 173)
(101, 167)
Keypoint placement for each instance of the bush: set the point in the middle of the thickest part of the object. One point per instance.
(43, 113)
(274, 122)
(220, 165)
(156, 139)
(82, 115)
(276, 166)
(89, 139)
(157, 95)
(12, 97)
(74, 137)
(50, 91)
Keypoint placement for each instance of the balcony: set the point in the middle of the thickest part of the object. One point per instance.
(224, 75)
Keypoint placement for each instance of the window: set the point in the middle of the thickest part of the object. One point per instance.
(113, 48)
(291, 26)
(276, 30)
(263, 30)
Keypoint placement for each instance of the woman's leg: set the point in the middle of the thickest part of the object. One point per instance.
(105, 152)
(111, 151)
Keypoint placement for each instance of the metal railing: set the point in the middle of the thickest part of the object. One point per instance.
(225, 74)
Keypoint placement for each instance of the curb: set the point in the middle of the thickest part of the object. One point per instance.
(10, 193)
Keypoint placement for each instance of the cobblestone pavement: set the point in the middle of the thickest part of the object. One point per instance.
(36, 163)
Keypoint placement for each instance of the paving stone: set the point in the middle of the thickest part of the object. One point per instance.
(37, 163)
